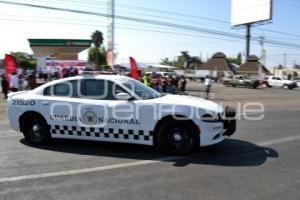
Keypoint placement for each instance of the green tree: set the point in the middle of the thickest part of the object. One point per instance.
(166, 61)
(24, 60)
(97, 38)
(97, 55)
(183, 61)
(195, 62)
(236, 60)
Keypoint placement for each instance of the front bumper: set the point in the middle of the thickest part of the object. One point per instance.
(229, 121)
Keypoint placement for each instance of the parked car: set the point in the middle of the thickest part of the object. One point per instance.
(166, 73)
(297, 80)
(241, 80)
(278, 81)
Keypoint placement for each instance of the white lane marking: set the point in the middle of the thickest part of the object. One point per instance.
(123, 165)
(85, 170)
(10, 136)
(280, 140)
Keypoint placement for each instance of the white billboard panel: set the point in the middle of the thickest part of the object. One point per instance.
(249, 11)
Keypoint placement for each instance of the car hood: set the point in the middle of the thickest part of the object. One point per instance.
(13, 94)
(288, 81)
(189, 101)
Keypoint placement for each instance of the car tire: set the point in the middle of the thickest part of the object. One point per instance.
(35, 129)
(178, 137)
(291, 87)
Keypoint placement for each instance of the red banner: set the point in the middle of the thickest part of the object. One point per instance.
(134, 68)
(10, 64)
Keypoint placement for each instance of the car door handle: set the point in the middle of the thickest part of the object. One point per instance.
(45, 103)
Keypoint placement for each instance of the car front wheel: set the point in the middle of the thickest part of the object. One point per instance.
(35, 129)
(178, 137)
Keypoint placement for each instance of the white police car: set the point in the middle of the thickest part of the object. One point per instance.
(118, 109)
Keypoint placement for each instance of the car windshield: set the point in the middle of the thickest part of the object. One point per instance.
(144, 92)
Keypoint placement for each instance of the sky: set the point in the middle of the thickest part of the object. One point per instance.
(150, 43)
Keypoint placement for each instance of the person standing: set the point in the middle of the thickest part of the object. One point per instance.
(182, 84)
(147, 80)
(207, 83)
(14, 82)
(4, 85)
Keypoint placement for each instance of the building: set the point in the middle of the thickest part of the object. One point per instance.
(287, 73)
(55, 54)
(252, 67)
(61, 49)
(219, 63)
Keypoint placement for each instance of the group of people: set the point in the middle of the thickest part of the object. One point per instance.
(11, 84)
(172, 84)
(15, 82)
(165, 84)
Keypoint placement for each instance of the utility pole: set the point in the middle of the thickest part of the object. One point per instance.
(263, 53)
(284, 60)
(113, 32)
(248, 37)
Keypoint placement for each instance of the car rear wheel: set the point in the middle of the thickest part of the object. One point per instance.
(285, 86)
(178, 137)
(35, 129)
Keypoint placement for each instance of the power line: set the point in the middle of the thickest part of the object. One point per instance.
(121, 26)
(166, 24)
(165, 12)
(154, 22)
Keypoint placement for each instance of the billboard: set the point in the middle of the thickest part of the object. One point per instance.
(250, 11)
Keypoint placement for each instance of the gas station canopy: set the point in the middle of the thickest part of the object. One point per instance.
(62, 49)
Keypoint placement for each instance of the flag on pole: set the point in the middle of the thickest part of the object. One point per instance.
(10, 64)
(134, 68)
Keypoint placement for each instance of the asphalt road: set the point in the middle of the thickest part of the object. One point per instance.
(261, 161)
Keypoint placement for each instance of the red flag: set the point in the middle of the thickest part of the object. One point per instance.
(134, 68)
(10, 64)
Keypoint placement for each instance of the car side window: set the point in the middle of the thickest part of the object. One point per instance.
(65, 89)
(100, 89)
(93, 88)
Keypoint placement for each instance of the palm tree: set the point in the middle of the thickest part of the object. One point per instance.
(97, 38)
(195, 62)
(96, 56)
(183, 60)
(166, 61)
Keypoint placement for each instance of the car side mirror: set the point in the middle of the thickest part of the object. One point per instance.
(123, 96)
